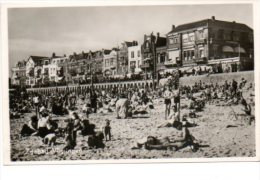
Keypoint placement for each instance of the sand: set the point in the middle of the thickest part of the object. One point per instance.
(219, 133)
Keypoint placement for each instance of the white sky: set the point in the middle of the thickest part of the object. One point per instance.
(41, 31)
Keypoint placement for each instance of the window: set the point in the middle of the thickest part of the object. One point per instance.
(251, 38)
(147, 45)
(175, 39)
(244, 36)
(162, 58)
(185, 55)
(132, 54)
(171, 40)
(227, 36)
(201, 34)
(132, 64)
(138, 53)
(235, 36)
(201, 51)
(215, 49)
(185, 38)
(191, 37)
(220, 33)
(192, 55)
(188, 55)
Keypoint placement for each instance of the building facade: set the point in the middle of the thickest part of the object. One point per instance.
(134, 58)
(123, 58)
(110, 62)
(19, 74)
(34, 70)
(149, 59)
(210, 42)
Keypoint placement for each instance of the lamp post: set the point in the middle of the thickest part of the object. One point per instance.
(154, 60)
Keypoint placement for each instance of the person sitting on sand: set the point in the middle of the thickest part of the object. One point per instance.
(70, 137)
(174, 117)
(96, 140)
(31, 127)
(87, 128)
(76, 122)
(247, 107)
(44, 125)
(142, 108)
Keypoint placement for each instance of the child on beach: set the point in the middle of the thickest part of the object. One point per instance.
(107, 130)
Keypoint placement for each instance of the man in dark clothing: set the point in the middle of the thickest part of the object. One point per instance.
(234, 86)
(93, 99)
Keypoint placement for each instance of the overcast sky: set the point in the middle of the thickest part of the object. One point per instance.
(41, 31)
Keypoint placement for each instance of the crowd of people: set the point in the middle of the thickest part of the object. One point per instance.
(78, 106)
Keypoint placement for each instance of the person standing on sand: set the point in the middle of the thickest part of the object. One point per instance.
(93, 100)
(167, 100)
(36, 102)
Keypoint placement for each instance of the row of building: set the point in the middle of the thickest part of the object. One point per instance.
(208, 42)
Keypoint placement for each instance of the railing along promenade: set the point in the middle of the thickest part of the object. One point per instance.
(81, 87)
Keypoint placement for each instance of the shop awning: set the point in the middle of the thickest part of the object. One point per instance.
(61, 78)
(138, 71)
(227, 49)
(239, 50)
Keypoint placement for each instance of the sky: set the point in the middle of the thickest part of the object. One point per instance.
(64, 30)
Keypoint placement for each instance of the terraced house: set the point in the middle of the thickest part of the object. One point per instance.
(19, 73)
(123, 59)
(149, 57)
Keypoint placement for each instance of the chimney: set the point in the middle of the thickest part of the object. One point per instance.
(213, 18)
(53, 55)
(173, 27)
(158, 34)
(64, 55)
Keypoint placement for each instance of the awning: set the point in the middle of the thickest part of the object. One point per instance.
(108, 72)
(138, 70)
(60, 78)
(239, 50)
(186, 69)
(129, 75)
(146, 59)
(227, 49)
(170, 70)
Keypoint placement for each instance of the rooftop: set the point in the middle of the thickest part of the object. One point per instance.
(211, 22)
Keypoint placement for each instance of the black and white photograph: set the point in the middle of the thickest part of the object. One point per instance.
(136, 82)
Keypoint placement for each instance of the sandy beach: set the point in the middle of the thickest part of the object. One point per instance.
(219, 132)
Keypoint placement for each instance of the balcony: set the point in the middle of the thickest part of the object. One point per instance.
(147, 50)
(201, 41)
(144, 66)
(112, 67)
(169, 63)
(201, 60)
